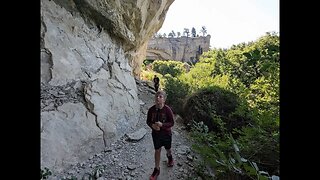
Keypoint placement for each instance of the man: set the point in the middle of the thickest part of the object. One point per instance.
(156, 82)
(160, 120)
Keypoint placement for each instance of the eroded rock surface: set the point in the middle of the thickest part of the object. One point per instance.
(184, 49)
(91, 50)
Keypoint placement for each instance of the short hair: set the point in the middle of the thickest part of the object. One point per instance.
(161, 92)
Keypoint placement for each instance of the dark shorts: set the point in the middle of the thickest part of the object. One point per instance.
(160, 140)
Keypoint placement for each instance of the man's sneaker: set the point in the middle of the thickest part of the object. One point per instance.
(170, 161)
(155, 174)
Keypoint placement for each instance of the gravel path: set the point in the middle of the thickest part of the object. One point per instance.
(127, 160)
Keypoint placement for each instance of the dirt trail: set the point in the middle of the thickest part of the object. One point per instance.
(126, 160)
(180, 146)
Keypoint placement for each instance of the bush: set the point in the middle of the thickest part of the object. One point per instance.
(45, 173)
(217, 109)
(149, 75)
(176, 92)
(174, 68)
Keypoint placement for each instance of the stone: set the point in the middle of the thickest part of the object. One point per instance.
(184, 49)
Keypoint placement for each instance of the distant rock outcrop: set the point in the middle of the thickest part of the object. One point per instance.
(90, 52)
(185, 49)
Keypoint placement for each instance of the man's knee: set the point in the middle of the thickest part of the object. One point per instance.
(158, 150)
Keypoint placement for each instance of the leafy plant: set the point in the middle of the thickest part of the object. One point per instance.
(45, 173)
(95, 173)
(226, 160)
(176, 91)
(174, 68)
(232, 91)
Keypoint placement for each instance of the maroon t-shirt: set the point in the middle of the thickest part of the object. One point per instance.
(164, 115)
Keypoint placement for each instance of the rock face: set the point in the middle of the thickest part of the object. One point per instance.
(90, 52)
(129, 158)
(185, 49)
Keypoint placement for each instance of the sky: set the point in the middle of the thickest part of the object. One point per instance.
(229, 22)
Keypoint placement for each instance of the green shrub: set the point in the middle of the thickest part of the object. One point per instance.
(174, 68)
(45, 173)
(216, 107)
(224, 156)
(176, 92)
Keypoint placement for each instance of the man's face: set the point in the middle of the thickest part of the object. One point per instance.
(159, 99)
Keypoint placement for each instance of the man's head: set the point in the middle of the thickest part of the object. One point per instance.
(160, 98)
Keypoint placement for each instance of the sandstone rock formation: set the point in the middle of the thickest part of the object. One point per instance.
(90, 52)
(185, 49)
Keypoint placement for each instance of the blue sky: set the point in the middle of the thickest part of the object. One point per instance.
(227, 21)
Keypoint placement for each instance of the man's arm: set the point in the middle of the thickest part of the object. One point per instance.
(149, 123)
(170, 121)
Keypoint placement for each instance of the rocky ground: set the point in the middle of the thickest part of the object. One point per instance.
(133, 159)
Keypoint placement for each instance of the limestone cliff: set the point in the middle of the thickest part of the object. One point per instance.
(185, 49)
(90, 52)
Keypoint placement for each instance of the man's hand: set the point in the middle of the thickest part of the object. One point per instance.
(155, 127)
(158, 123)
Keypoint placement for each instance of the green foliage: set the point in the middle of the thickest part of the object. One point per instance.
(247, 62)
(261, 145)
(264, 95)
(216, 107)
(95, 173)
(174, 68)
(261, 58)
(252, 72)
(149, 75)
(176, 91)
(147, 62)
(235, 90)
(45, 173)
(198, 80)
(224, 156)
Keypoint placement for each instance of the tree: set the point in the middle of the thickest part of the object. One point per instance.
(193, 32)
(186, 31)
(173, 33)
(203, 30)
(178, 34)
